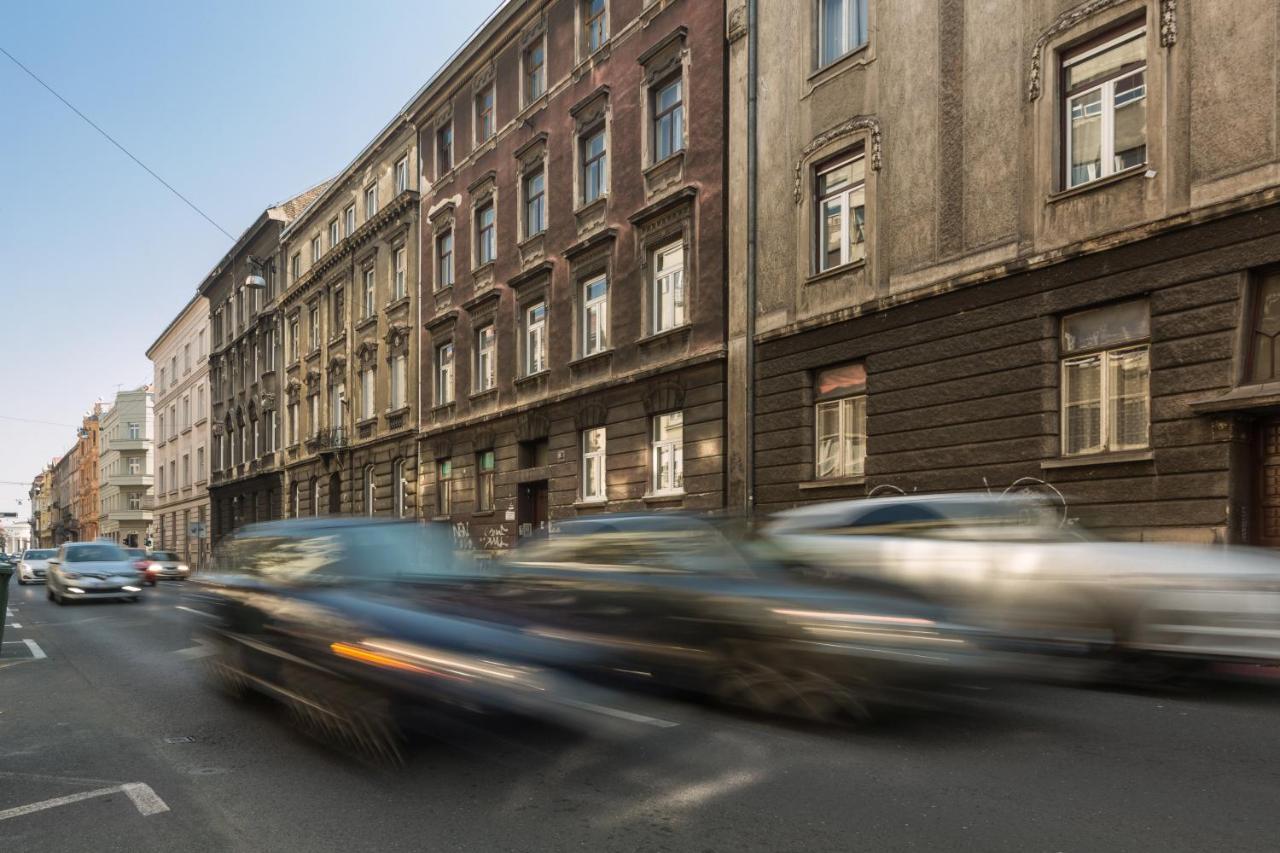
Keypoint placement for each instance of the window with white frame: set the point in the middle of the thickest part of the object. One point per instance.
(840, 214)
(668, 287)
(595, 164)
(444, 374)
(313, 319)
(135, 465)
(186, 470)
(534, 190)
(199, 402)
(297, 500)
(370, 306)
(295, 266)
(370, 201)
(666, 454)
(135, 430)
(593, 464)
(313, 414)
(397, 489)
(486, 236)
(135, 500)
(484, 113)
(367, 379)
(200, 472)
(485, 466)
(842, 28)
(370, 490)
(335, 232)
(444, 259)
(595, 25)
(270, 344)
(315, 495)
(444, 487)
(595, 315)
(486, 375)
(399, 369)
(402, 175)
(295, 351)
(1106, 370)
(535, 338)
(255, 428)
(291, 424)
(272, 430)
(444, 149)
(398, 271)
(1105, 101)
(349, 220)
(317, 248)
(668, 119)
(534, 63)
(840, 422)
(338, 407)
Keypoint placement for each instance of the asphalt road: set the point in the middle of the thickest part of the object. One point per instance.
(117, 709)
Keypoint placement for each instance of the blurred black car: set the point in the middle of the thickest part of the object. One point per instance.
(682, 601)
(335, 618)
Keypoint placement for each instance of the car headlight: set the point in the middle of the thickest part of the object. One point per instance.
(75, 589)
(132, 589)
(183, 569)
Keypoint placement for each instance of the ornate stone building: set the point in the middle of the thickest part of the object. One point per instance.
(76, 506)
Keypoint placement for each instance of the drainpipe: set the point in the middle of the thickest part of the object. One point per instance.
(749, 431)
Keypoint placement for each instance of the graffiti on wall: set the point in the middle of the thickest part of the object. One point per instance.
(1030, 487)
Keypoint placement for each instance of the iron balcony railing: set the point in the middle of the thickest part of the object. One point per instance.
(332, 439)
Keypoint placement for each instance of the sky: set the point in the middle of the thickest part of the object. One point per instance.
(237, 104)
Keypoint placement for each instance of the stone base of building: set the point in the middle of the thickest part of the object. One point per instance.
(378, 478)
(173, 530)
(245, 501)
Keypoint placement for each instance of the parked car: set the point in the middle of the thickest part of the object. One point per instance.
(1008, 563)
(166, 565)
(82, 571)
(34, 564)
(142, 562)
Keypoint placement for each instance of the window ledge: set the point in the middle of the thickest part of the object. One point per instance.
(315, 353)
(338, 338)
(1097, 183)
(480, 395)
(596, 203)
(399, 410)
(663, 497)
(486, 267)
(816, 277)
(530, 378)
(294, 365)
(442, 518)
(396, 303)
(834, 483)
(594, 503)
(443, 408)
(366, 322)
(369, 421)
(674, 332)
(1116, 458)
(582, 361)
(860, 55)
(482, 513)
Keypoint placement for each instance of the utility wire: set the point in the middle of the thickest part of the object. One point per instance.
(33, 420)
(109, 138)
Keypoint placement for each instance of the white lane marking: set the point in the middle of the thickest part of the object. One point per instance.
(620, 714)
(14, 625)
(203, 650)
(144, 800)
(193, 610)
(37, 653)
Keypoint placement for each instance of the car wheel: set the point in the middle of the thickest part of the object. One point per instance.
(752, 680)
(347, 717)
(60, 599)
(48, 593)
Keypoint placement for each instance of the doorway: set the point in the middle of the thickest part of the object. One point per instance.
(531, 509)
(335, 493)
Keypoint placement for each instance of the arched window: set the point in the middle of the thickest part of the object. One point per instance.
(368, 490)
(397, 488)
(297, 500)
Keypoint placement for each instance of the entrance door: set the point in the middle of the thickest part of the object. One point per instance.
(335, 493)
(1269, 483)
(532, 509)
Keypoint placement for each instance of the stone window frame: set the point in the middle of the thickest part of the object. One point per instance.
(483, 192)
(654, 234)
(534, 36)
(530, 157)
(485, 79)
(395, 173)
(487, 319)
(592, 113)
(580, 48)
(583, 270)
(1141, 341)
(443, 220)
(444, 121)
(437, 344)
(818, 400)
(525, 303)
(399, 243)
(666, 61)
(856, 133)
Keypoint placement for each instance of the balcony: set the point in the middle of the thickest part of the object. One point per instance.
(331, 439)
(126, 515)
(128, 444)
(131, 480)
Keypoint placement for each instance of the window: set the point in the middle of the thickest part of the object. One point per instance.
(842, 28)
(397, 489)
(367, 387)
(339, 312)
(291, 424)
(297, 500)
(160, 382)
(484, 481)
(135, 465)
(668, 287)
(186, 358)
(486, 370)
(444, 260)
(370, 201)
(200, 347)
(484, 114)
(200, 475)
(535, 338)
(595, 316)
(486, 242)
(1106, 379)
(313, 413)
(269, 344)
(444, 149)
(135, 500)
(317, 248)
(314, 323)
(594, 165)
(593, 459)
(1105, 103)
(840, 418)
(173, 422)
(398, 274)
(256, 427)
(186, 470)
(272, 428)
(667, 453)
(399, 366)
(338, 406)
(370, 293)
(270, 270)
(186, 413)
(444, 487)
(135, 430)
(349, 218)
(402, 175)
(199, 402)
(173, 475)
(160, 480)
(295, 266)
(595, 24)
(444, 374)
(668, 120)
(315, 495)
(370, 490)
(535, 71)
(294, 350)
(1264, 343)
(535, 203)
(335, 232)
(173, 371)
(841, 213)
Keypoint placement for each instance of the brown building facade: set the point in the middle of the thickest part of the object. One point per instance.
(573, 277)
(75, 485)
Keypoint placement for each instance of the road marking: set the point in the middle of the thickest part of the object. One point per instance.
(203, 650)
(144, 800)
(193, 610)
(620, 714)
(14, 625)
(37, 653)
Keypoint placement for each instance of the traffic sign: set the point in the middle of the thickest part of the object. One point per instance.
(197, 529)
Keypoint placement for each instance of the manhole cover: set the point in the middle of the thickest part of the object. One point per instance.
(180, 739)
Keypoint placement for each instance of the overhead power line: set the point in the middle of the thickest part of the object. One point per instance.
(34, 421)
(110, 139)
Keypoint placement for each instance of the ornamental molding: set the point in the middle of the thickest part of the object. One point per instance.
(397, 335)
(1168, 23)
(857, 124)
(737, 26)
(1168, 13)
(313, 377)
(367, 351)
(337, 363)
(268, 401)
(293, 389)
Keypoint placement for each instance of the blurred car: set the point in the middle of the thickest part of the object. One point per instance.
(34, 565)
(142, 562)
(1008, 563)
(334, 618)
(681, 601)
(166, 565)
(81, 571)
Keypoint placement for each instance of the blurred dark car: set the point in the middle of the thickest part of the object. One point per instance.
(335, 618)
(682, 601)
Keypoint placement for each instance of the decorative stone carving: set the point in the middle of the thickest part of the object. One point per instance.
(870, 124)
(337, 363)
(267, 401)
(1073, 16)
(313, 378)
(397, 336)
(367, 351)
(293, 389)
(1168, 22)
(737, 27)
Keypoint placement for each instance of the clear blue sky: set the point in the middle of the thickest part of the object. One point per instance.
(236, 104)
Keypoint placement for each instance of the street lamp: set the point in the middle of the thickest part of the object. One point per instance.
(255, 277)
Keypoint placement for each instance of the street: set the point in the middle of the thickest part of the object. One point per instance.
(109, 701)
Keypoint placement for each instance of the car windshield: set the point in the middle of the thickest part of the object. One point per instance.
(95, 554)
(37, 555)
(164, 556)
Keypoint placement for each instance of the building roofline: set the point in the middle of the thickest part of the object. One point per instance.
(182, 313)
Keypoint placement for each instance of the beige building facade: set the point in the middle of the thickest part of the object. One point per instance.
(125, 469)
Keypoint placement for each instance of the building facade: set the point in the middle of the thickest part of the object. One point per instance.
(41, 496)
(76, 506)
(16, 536)
(180, 361)
(1038, 255)
(350, 338)
(125, 465)
(245, 478)
(573, 273)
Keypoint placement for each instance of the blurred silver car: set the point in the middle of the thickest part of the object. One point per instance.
(167, 564)
(34, 565)
(92, 570)
(1008, 563)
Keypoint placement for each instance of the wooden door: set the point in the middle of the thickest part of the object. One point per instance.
(532, 509)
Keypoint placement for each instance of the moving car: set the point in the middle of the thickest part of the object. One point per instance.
(82, 571)
(167, 565)
(142, 562)
(34, 564)
(1010, 564)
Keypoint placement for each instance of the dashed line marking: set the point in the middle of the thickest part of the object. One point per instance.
(203, 650)
(630, 716)
(145, 800)
(193, 610)
(37, 653)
